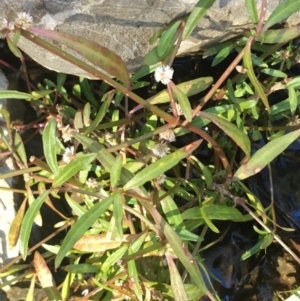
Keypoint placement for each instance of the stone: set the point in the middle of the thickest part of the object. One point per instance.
(7, 197)
(125, 26)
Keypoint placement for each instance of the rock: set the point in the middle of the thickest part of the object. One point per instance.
(7, 198)
(125, 26)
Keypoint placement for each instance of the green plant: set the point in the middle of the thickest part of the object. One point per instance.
(126, 225)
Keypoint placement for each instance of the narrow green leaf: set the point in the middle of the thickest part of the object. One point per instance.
(107, 97)
(28, 221)
(61, 78)
(189, 88)
(118, 215)
(184, 102)
(222, 54)
(279, 35)
(171, 211)
(293, 99)
(72, 168)
(197, 13)
(116, 171)
(10, 94)
(282, 12)
(250, 72)
(216, 212)
(295, 83)
(207, 221)
(178, 289)
(239, 137)
(168, 39)
(52, 293)
(180, 250)
(81, 226)
(152, 57)
(161, 166)
(98, 55)
(87, 91)
(113, 258)
(265, 155)
(252, 10)
(20, 148)
(13, 48)
(134, 278)
(81, 268)
(273, 72)
(49, 142)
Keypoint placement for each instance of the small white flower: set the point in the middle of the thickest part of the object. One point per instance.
(8, 25)
(68, 154)
(168, 135)
(161, 179)
(67, 133)
(160, 149)
(163, 74)
(92, 183)
(178, 108)
(23, 20)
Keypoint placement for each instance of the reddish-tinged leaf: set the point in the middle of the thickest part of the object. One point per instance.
(98, 55)
(43, 273)
(100, 242)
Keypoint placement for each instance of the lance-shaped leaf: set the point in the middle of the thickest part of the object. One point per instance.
(179, 248)
(265, 155)
(15, 227)
(183, 102)
(250, 72)
(11, 94)
(49, 141)
(282, 12)
(81, 226)
(101, 243)
(240, 138)
(28, 221)
(167, 40)
(43, 273)
(72, 168)
(252, 10)
(279, 35)
(198, 12)
(98, 55)
(176, 281)
(161, 166)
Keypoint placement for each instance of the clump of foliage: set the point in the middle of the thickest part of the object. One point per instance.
(127, 233)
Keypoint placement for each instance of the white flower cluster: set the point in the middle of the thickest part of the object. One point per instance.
(23, 20)
(163, 74)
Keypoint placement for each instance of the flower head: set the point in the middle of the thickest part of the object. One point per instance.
(168, 135)
(160, 149)
(92, 183)
(163, 74)
(67, 133)
(23, 20)
(68, 154)
(8, 25)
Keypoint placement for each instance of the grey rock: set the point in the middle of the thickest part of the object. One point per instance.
(125, 26)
